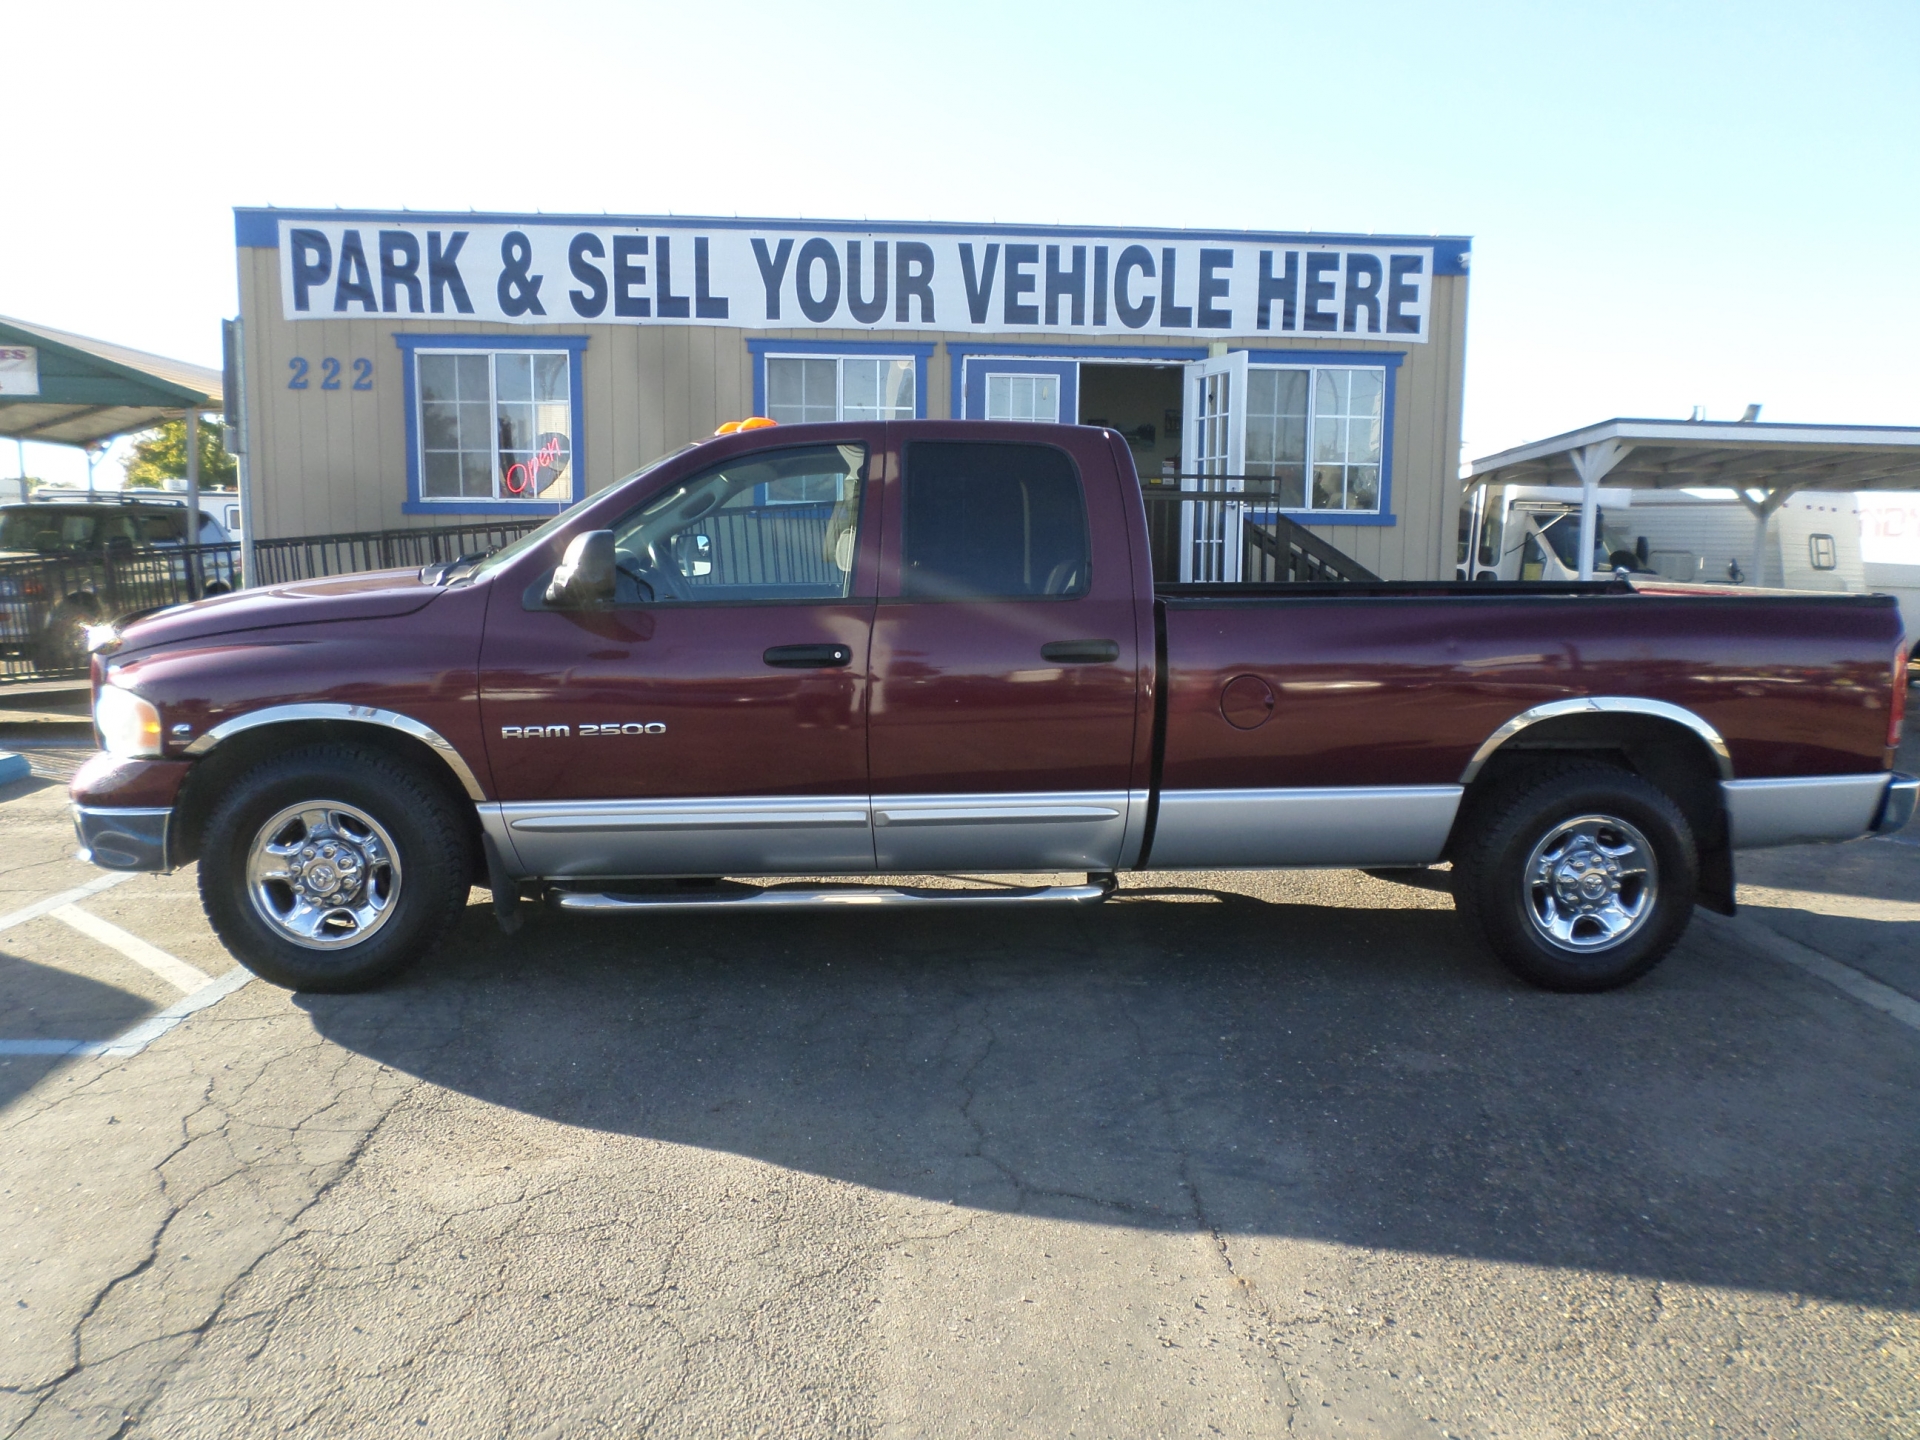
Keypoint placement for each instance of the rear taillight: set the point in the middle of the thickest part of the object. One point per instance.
(1897, 713)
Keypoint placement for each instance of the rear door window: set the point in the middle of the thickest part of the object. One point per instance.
(992, 522)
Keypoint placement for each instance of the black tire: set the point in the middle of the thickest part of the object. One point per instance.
(424, 836)
(1601, 820)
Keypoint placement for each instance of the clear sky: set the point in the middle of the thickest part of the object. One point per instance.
(1672, 204)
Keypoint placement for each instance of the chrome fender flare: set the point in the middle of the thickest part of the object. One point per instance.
(356, 714)
(1601, 705)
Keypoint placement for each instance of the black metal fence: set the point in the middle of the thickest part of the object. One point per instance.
(47, 601)
(766, 545)
(310, 557)
(1237, 537)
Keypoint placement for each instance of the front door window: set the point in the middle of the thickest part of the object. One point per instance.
(777, 526)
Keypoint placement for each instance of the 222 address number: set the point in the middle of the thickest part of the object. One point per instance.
(329, 374)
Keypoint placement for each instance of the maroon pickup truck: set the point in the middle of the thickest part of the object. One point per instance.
(938, 647)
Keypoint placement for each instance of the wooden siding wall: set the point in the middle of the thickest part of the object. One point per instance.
(329, 461)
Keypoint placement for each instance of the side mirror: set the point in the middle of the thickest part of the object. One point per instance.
(585, 577)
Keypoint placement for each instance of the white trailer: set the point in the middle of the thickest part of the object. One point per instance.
(1532, 532)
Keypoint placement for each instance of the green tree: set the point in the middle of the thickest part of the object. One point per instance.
(161, 455)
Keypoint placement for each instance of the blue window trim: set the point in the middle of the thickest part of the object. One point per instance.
(958, 355)
(1067, 372)
(574, 345)
(852, 349)
(1388, 360)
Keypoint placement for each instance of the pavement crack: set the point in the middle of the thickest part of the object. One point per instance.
(136, 1409)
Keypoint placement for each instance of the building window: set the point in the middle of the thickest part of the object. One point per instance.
(1320, 425)
(495, 425)
(1023, 397)
(803, 389)
(1822, 552)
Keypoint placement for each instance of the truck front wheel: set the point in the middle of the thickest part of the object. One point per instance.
(332, 866)
(1579, 877)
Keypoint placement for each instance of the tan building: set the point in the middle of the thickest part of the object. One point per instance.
(408, 368)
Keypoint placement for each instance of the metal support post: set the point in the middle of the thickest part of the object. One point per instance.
(193, 503)
(1592, 463)
(234, 396)
(1762, 511)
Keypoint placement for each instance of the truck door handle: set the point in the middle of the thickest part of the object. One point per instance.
(809, 657)
(1081, 652)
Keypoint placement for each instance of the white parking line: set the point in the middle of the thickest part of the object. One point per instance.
(203, 989)
(176, 972)
(132, 1042)
(65, 897)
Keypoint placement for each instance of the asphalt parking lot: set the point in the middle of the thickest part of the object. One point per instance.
(1232, 1154)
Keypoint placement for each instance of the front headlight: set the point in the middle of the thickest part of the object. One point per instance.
(129, 726)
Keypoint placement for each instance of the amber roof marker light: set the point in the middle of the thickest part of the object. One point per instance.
(752, 422)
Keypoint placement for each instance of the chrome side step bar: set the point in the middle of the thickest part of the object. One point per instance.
(1091, 893)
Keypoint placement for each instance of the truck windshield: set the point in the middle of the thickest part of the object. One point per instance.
(544, 533)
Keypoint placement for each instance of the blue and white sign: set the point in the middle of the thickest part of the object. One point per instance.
(759, 275)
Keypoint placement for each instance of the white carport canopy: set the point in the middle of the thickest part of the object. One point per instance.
(1763, 464)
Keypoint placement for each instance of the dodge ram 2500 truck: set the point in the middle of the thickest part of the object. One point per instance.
(938, 647)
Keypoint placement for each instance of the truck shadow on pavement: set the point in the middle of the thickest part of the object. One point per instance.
(44, 1002)
(1190, 1058)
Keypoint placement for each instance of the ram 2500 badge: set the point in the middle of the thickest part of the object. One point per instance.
(925, 647)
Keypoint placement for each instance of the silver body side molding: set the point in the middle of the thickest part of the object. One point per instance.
(359, 714)
(1135, 836)
(816, 834)
(1060, 830)
(1601, 705)
(756, 835)
(1274, 829)
(1803, 810)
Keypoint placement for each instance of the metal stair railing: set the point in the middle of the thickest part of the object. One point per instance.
(1275, 548)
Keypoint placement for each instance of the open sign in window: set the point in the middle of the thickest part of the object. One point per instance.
(495, 425)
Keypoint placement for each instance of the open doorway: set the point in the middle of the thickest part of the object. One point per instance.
(1142, 402)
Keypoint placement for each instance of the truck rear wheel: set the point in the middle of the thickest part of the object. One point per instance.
(1579, 877)
(332, 866)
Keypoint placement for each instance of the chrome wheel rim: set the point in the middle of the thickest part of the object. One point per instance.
(323, 875)
(1591, 883)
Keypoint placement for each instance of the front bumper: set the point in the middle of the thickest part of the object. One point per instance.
(123, 839)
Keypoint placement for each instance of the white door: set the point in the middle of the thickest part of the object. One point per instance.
(1213, 458)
